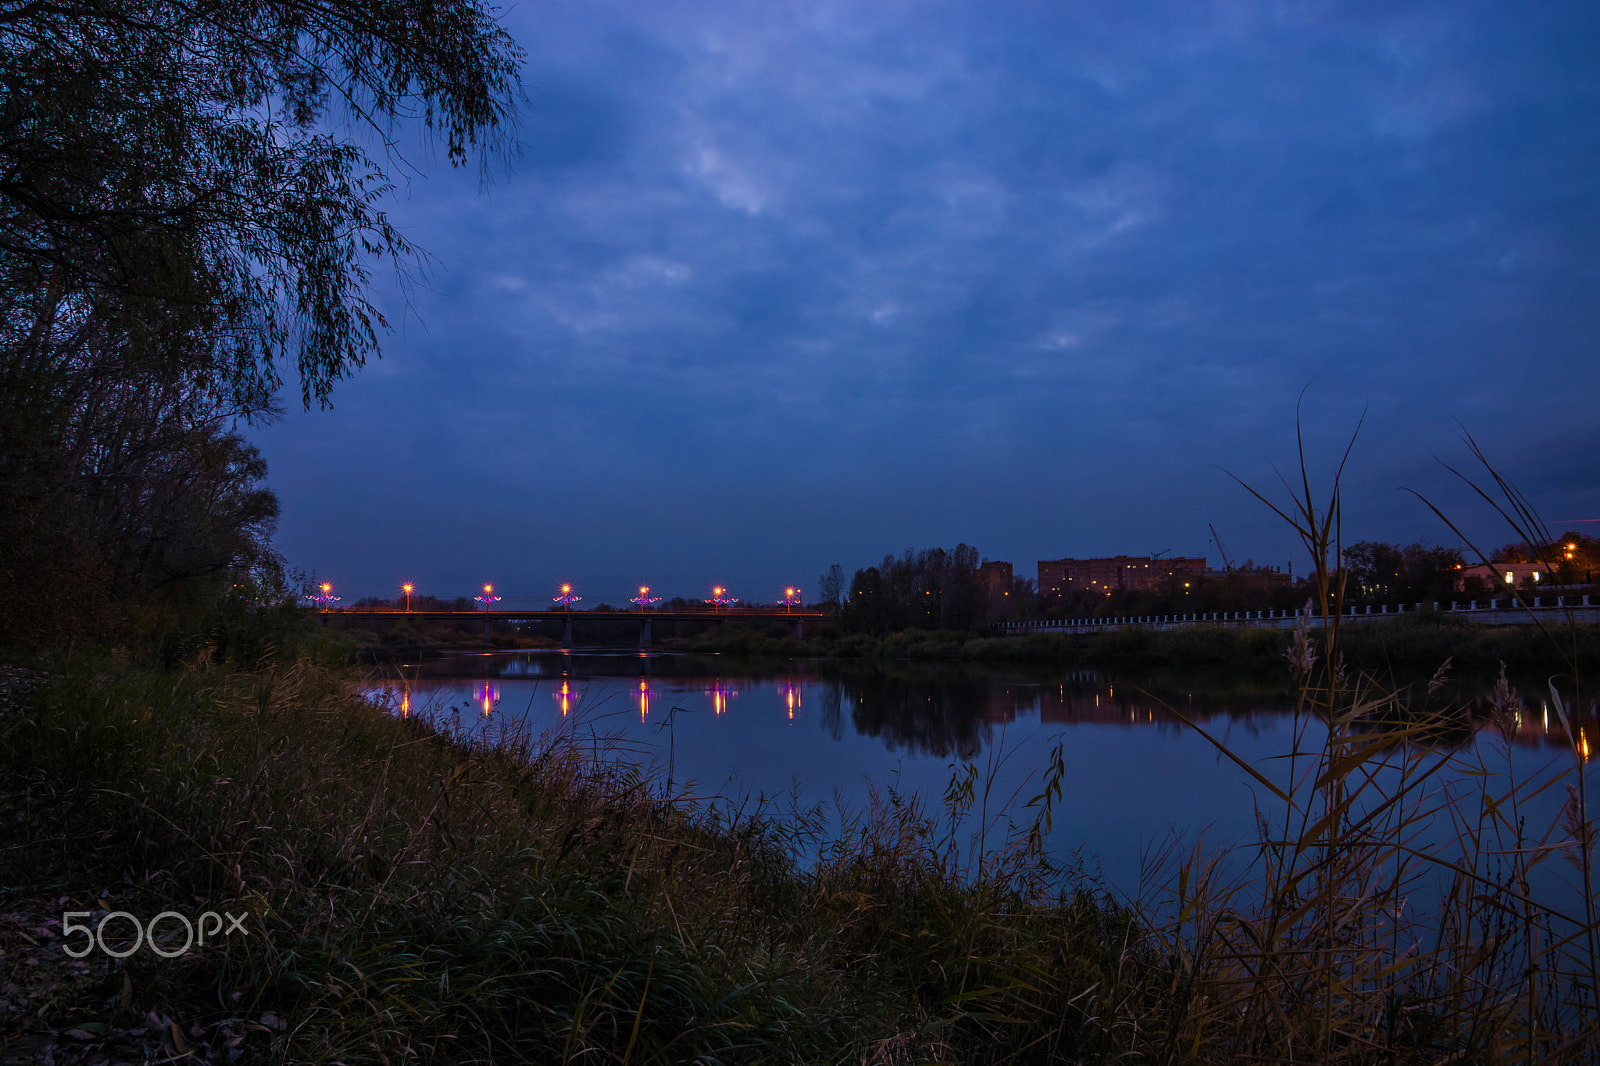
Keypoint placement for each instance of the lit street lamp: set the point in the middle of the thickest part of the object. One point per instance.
(407, 590)
(644, 599)
(488, 597)
(566, 599)
(720, 597)
(323, 597)
(791, 596)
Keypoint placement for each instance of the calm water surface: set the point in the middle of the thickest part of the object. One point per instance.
(1137, 778)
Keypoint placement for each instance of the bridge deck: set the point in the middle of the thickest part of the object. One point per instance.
(753, 614)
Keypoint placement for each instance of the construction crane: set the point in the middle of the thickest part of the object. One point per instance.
(1217, 540)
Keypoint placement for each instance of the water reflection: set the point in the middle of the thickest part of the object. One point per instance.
(945, 710)
(567, 697)
(720, 694)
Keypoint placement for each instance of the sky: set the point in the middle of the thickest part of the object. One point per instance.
(769, 287)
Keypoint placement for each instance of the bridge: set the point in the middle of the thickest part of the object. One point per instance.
(796, 620)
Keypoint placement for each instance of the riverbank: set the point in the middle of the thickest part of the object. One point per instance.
(1413, 642)
(409, 894)
(404, 892)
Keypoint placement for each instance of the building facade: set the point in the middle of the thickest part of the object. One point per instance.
(1106, 575)
(994, 578)
(1499, 578)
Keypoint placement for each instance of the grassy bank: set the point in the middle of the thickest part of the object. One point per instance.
(412, 895)
(1411, 642)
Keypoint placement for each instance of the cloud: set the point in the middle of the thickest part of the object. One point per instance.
(1029, 249)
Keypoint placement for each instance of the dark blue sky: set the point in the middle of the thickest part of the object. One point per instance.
(774, 286)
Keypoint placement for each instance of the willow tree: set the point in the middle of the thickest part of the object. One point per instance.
(177, 219)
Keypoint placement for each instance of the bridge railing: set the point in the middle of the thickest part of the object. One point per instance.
(1503, 610)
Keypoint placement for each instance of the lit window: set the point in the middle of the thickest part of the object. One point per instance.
(1510, 579)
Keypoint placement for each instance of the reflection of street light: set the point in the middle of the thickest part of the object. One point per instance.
(487, 598)
(566, 599)
(644, 599)
(720, 694)
(407, 590)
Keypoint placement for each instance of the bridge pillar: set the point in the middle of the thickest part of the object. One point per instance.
(566, 633)
(644, 633)
(799, 629)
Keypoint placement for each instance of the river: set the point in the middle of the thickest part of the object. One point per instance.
(797, 733)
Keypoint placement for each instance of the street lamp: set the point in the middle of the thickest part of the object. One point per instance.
(720, 597)
(566, 599)
(407, 588)
(487, 598)
(644, 599)
(324, 596)
(791, 596)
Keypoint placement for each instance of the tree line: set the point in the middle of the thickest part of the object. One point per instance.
(939, 588)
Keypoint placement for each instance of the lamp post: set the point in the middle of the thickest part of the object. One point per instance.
(566, 599)
(791, 596)
(644, 599)
(720, 598)
(406, 588)
(488, 597)
(323, 596)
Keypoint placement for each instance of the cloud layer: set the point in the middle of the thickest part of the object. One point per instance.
(773, 286)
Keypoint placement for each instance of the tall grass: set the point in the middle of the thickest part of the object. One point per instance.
(418, 895)
(1360, 932)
